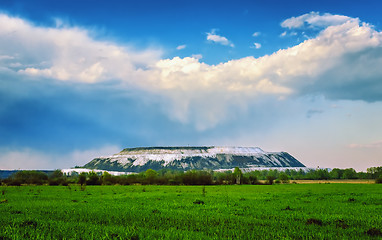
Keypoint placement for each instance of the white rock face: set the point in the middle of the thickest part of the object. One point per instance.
(186, 158)
(142, 156)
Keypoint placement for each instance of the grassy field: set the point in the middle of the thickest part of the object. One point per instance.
(357, 181)
(291, 211)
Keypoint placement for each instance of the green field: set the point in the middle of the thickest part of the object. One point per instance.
(290, 211)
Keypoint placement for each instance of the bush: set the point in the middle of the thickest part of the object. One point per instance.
(57, 178)
(27, 177)
(151, 176)
(194, 177)
(108, 179)
(284, 178)
(93, 179)
(82, 178)
(379, 180)
(253, 179)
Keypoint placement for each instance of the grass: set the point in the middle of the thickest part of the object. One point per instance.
(293, 211)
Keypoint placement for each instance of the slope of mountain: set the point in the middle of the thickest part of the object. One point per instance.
(187, 158)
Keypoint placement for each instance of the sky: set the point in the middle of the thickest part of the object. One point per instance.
(82, 79)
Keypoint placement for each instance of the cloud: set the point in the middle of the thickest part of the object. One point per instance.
(181, 47)
(315, 19)
(197, 56)
(256, 34)
(341, 62)
(213, 37)
(286, 34)
(67, 53)
(374, 145)
(257, 45)
(27, 158)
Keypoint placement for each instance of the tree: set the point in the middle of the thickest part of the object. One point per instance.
(82, 178)
(150, 176)
(28, 177)
(270, 179)
(93, 179)
(322, 174)
(238, 175)
(378, 180)
(107, 179)
(284, 177)
(57, 178)
(350, 173)
(374, 172)
(336, 173)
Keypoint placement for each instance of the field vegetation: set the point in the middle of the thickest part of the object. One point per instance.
(192, 177)
(281, 211)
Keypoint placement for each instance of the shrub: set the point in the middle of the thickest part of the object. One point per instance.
(270, 179)
(284, 178)
(57, 178)
(27, 177)
(253, 179)
(150, 176)
(378, 180)
(93, 179)
(108, 179)
(82, 178)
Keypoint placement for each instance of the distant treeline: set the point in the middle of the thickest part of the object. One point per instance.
(193, 177)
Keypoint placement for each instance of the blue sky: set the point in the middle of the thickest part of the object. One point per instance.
(80, 79)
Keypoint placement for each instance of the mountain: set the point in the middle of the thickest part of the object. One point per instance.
(187, 158)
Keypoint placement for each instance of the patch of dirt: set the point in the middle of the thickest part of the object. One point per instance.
(314, 221)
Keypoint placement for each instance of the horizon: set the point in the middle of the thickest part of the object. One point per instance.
(83, 79)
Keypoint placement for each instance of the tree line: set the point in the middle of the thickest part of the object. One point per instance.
(192, 177)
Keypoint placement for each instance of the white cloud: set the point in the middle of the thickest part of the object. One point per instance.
(286, 34)
(342, 62)
(68, 54)
(256, 34)
(180, 47)
(213, 37)
(257, 45)
(315, 19)
(197, 56)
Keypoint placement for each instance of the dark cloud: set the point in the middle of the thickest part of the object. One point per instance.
(357, 76)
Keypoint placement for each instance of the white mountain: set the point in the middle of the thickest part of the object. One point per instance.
(187, 158)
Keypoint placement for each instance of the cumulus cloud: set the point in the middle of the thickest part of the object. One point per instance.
(342, 62)
(67, 53)
(213, 37)
(315, 19)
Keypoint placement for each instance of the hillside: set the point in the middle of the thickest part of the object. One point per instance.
(187, 158)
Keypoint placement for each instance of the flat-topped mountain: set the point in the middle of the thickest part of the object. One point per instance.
(187, 158)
